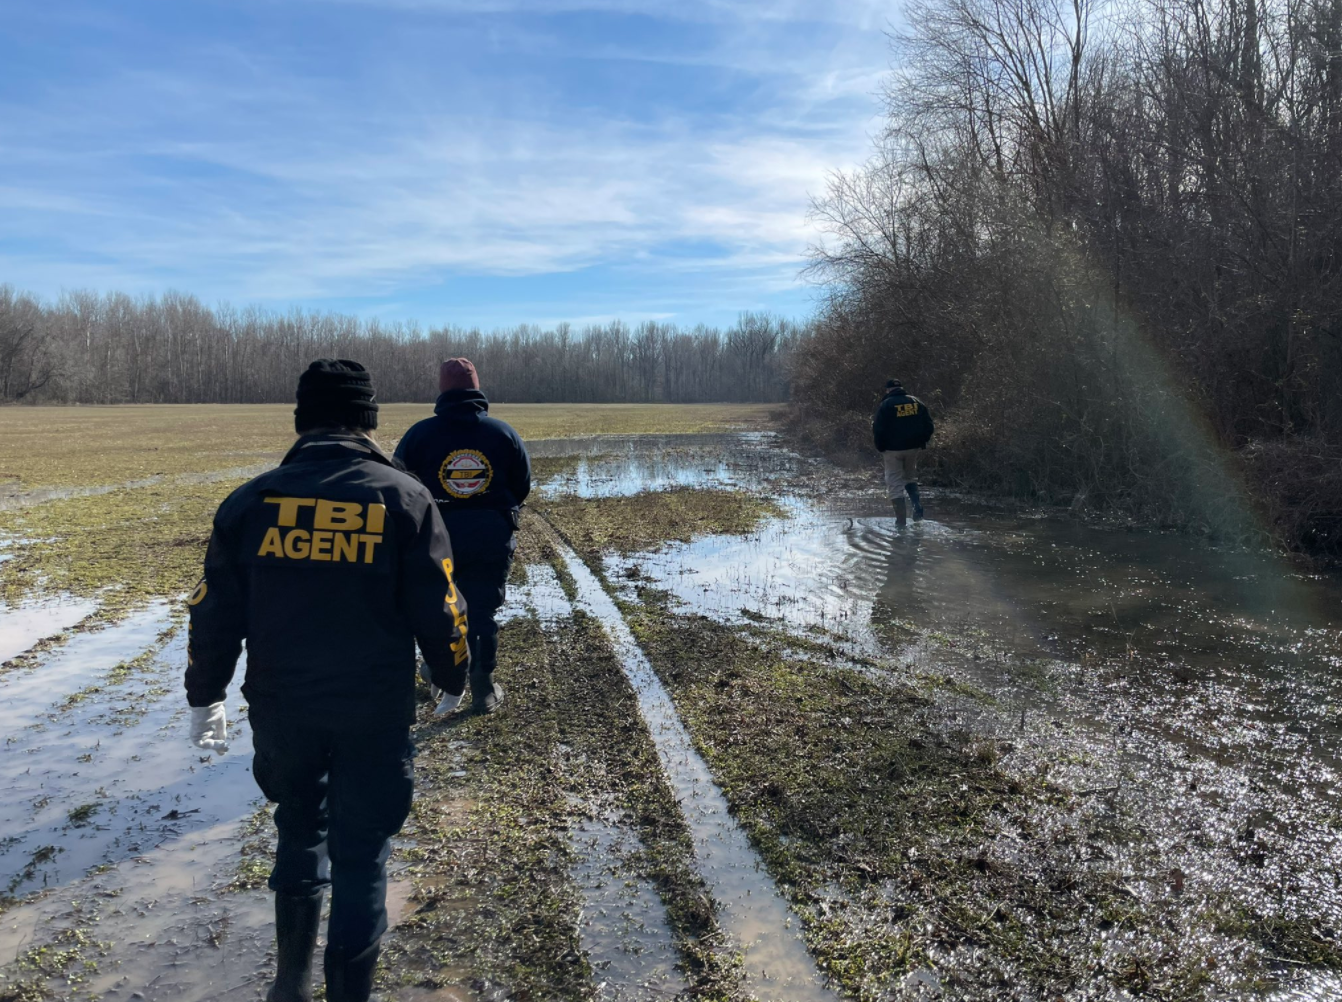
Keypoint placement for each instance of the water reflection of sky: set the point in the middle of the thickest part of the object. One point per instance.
(620, 465)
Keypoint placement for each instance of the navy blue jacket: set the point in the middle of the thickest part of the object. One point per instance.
(466, 458)
(901, 422)
(330, 566)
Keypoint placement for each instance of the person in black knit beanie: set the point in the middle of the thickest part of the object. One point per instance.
(335, 393)
(331, 567)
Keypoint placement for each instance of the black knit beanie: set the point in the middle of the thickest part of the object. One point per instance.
(335, 392)
(893, 384)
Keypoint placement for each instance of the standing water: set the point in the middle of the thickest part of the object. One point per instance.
(1198, 685)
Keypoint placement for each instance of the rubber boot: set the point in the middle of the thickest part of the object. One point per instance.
(486, 694)
(297, 919)
(917, 502)
(350, 979)
(901, 511)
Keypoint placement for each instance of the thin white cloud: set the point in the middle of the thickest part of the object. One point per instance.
(864, 14)
(250, 180)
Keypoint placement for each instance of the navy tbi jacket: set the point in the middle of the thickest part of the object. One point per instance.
(901, 422)
(330, 566)
(468, 459)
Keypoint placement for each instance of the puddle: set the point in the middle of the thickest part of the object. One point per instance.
(169, 934)
(626, 465)
(777, 967)
(541, 595)
(623, 928)
(95, 770)
(24, 625)
(26, 693)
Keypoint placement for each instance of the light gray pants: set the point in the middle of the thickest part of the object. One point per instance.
(901, 467)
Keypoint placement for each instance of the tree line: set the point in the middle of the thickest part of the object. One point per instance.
(1105, 239)
(112, 349)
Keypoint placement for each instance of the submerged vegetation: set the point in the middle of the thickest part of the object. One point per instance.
(908, 842)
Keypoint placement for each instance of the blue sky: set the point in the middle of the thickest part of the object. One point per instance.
(473, 162)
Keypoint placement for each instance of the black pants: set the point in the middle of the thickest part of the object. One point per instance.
(482, 554)
(341, 795)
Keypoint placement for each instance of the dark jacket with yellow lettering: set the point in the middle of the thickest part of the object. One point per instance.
(901, 422)
(468, 459)
(330, 567)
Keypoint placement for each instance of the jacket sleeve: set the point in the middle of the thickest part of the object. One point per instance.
(218, 618)
(403, 447)
(521, 478)
(436, 609)
(878, 428)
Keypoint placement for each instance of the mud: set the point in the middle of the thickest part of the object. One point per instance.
(624, 929)
(776, 965)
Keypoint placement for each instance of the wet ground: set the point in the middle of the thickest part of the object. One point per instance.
(775, 964)
(1193, 690)
(1196, 687)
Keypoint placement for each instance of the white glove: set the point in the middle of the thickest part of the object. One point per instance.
(447, 704)
(209, 728)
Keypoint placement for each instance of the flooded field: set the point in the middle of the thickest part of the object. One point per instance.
(760, 743)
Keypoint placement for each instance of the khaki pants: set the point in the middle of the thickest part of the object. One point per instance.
(901, 467)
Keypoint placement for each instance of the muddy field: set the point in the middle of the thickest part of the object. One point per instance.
(759, 743)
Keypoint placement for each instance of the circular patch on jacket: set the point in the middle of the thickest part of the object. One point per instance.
(465, 473)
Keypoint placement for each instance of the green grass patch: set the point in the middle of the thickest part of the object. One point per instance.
(593, 526)
(125, 546)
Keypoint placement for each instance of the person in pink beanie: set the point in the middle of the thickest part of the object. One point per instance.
(479, 473)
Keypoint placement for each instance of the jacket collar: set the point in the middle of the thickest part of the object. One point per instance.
(327, 446)
(461, 404)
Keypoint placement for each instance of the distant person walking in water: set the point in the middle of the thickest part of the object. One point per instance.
(479, 474)
(902, 428)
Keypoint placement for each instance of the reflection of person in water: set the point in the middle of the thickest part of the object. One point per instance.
(899, 600)
(902, 428)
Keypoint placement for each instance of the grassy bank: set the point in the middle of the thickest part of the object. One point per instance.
(593, 526)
